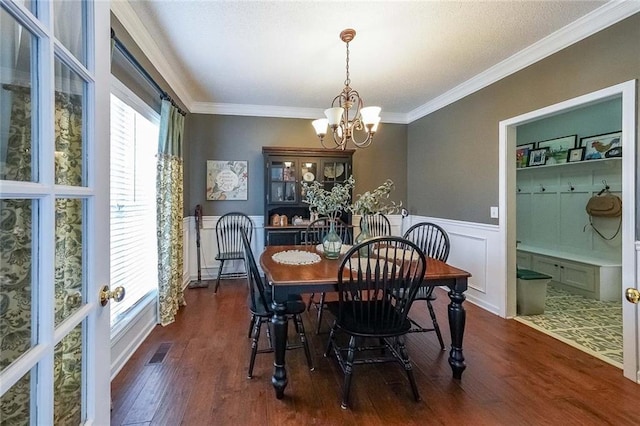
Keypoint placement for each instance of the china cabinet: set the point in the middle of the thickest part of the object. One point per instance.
(285, 169)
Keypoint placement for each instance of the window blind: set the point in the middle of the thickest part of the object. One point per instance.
(133, 254)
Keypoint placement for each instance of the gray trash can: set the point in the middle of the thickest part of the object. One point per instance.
(531, 292)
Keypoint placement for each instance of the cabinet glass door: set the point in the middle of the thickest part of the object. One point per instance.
(334, 171)
(283, 182)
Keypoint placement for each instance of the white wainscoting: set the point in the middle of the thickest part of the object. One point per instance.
(475, 248)
(131, 337)
(209, 249)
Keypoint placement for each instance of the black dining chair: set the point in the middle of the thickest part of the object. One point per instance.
(368, 310)
(313, 235)
(377, 224)
(434, 243)
(259, 302)
(229, 239)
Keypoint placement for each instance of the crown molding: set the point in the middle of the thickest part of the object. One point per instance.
(138, 32)
(277, 111)
(599, 19)
(591, 23)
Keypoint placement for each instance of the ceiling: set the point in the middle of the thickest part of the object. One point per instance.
(278, 58)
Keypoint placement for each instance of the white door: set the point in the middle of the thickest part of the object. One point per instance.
(54, 212)
(630, 233)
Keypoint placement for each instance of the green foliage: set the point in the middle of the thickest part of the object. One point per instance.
(328, 203)
(375, 201)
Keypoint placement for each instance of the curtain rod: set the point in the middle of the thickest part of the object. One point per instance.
(129, 57)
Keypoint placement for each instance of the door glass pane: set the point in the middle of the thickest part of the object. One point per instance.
(69, 128)
(67, 379)
(15, 403)
(16, 251)
(69, 24)
(18, 48)
(68, 258)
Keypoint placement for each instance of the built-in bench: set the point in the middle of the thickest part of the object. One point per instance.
(590, 277)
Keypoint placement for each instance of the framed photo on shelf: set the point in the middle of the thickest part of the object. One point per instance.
(575, 154)
(607, 145)
(522, 154)
(538, 157)
(558, 148)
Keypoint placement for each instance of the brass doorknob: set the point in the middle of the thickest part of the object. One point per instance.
(105, 294)
(632, 295)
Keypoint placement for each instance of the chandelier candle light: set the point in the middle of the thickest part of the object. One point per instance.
(347, 114)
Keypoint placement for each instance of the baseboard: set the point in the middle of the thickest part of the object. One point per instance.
(131, 337)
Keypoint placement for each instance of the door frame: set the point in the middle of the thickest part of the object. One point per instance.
(626, 92)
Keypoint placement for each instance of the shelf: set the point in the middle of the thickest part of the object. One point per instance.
(591, 162)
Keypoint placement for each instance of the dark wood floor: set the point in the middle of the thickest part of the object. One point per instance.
(515, 376)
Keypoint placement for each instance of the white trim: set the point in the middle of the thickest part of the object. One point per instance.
(627, 93)
(595, 21)
(138, 32)
(277, 111)
(474, 248)
(589, 24)
(126, 95)
(133, 334)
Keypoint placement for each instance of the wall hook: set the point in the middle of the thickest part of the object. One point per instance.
(605, 189)
(571, 187)
(542, 188)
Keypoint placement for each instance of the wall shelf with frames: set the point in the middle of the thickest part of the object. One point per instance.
(583, 163)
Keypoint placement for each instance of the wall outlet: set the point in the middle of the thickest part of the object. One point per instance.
(494, 212)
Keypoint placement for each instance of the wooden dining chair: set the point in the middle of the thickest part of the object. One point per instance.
(229, 230)
(367, 308)
(260, 298)
(434, 242)
(314, 235)
(378, 224)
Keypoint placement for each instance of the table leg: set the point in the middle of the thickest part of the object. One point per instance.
(280, 326)
(457, 318)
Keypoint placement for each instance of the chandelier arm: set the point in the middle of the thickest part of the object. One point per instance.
(343, 129)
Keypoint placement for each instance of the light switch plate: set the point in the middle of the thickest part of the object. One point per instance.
(494, 212)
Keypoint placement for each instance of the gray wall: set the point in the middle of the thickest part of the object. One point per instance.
(453, 152)
(222, 137)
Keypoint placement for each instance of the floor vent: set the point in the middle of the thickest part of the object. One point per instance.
(161, 352)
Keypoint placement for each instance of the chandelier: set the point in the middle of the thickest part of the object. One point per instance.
(347, 115)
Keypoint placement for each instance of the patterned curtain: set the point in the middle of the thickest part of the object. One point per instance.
(169, 188)
(16, 259)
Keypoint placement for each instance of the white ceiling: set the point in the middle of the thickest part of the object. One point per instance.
(278, 58)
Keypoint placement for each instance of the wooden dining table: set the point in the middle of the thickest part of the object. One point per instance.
(286, 279)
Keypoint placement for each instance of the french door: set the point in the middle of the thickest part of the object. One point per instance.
(54, 212)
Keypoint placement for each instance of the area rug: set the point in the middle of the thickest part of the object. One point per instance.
(590, 325)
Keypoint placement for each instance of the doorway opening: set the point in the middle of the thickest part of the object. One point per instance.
(540, 186)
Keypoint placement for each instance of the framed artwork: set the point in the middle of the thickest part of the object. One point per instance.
(575, 154)
(607, 145)
(558, 148)
(522, 155)
(537, 157)
(226, 180)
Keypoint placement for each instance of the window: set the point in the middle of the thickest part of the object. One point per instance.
(134, 142)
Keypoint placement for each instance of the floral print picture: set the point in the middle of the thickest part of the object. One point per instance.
(226, 180)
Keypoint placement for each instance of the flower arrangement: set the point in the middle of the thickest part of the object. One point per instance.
(328, 203)
(372, 202)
